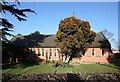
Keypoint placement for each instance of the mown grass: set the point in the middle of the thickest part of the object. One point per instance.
(81, 68)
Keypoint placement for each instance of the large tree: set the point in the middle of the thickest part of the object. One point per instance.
(9, 7)
(7, 26)
(73, 37)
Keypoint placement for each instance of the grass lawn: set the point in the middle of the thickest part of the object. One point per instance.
(81, 68)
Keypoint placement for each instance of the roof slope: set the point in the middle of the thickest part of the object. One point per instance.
(48, 41)
(34, 40)
(100, 41)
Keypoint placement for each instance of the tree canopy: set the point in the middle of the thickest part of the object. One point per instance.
(74, 36)
(13, 10)
(8, 50)
(36, 33)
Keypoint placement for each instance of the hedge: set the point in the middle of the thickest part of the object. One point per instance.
(68, 77)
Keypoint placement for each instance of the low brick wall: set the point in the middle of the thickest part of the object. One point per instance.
(68, 77)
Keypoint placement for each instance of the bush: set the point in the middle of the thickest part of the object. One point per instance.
(45, 61)
(61, 78)
(53, 61)
(56, 64)
(65, 65)
(71, 63)
(115, 59)
(60, 61)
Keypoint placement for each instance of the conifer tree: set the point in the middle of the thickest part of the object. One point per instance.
(13, 10)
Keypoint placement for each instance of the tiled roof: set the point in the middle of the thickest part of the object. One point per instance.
(34, 40)
(48, 41)
(100, 41)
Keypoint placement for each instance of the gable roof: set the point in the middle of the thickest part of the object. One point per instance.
(100, 41)
(48, 41)
(41, 40)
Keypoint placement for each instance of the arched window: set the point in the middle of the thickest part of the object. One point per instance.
(50, 52)
(103, 52)
(93, 52)
(42, 52)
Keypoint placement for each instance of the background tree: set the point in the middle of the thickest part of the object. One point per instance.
(73, 36)
(110, 38)
(108, 35)
(36, 33)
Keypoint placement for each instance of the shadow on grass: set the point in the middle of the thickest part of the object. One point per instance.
(21, 65)
(115, 66)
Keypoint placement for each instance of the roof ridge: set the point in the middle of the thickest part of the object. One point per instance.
(103, 35)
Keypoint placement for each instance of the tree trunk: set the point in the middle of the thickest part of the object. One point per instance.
(66, 59)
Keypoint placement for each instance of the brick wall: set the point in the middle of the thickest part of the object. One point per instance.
(44, 53)
(98, 56)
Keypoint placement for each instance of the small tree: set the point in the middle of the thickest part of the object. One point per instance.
(73, 37)
(36, 33)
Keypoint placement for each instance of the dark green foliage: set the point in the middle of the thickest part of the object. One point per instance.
(13, 10)
(12, 51)
(74, 35)
(115, 59)
(35, 33)
(53, 61)
(22, 54)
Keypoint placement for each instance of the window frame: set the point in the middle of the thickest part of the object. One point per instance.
(42, 52)
(55, 53)
(50, 52)
(38, 52)
(103, 52)
(93, 52)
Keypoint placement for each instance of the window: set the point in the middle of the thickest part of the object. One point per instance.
(54, 52)
(34, 50)
(103, 52)
(42, 52)
(92, 52)
(83, 52)
(38, 52)
(50, 52)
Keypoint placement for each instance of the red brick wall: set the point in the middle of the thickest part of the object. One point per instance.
(46, 55)
(97, 57)
(87, 58)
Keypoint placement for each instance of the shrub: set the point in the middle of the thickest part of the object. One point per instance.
(68, 77)
(45, 61)
(115, 59)
(56, 64)
(71, 63)
(60, 61)
(65, 65)
(53, 61)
